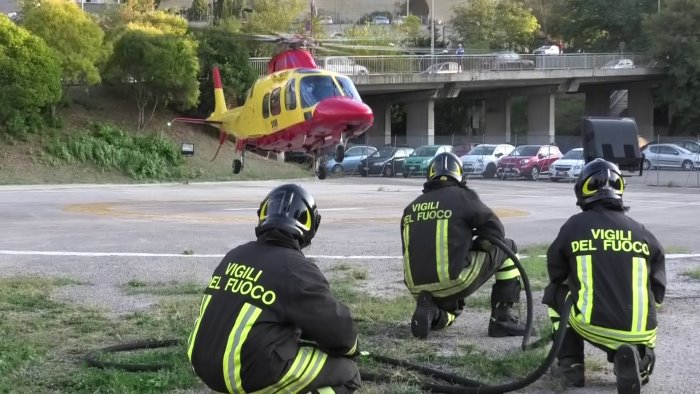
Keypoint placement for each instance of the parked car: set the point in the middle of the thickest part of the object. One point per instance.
(325, 20)
(443, 68)
(621, 63)
(669, 156)
(568, 167)
(463, 149)
(342, 65)
(483, 159)
(528, 160)
(400, 20)
(693, 146)
(387, 161)
(380, 20)
(508, 61)
(547, 50)
(418, 161)
(351, 162)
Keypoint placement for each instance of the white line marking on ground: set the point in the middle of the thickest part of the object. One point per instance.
(320, 209)
(128, 254)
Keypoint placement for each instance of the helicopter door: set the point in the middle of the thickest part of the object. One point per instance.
(275, 108)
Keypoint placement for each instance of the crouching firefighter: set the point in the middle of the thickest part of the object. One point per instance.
(268, 322)
(442, 265)
(614, 269)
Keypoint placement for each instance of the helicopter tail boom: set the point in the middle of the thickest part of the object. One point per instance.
(219, 100)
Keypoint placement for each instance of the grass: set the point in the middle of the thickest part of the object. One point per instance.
(163, 288)
(693, 274)
(674, 249)
(44, 341)
(383, 324)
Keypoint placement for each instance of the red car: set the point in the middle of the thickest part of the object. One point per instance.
(528, 161)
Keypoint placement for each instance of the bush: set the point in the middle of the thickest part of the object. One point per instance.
(30, 79)
(140, 156)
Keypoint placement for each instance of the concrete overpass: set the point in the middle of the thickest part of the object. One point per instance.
(404, 79)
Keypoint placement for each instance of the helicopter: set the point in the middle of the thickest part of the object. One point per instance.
(297, 107)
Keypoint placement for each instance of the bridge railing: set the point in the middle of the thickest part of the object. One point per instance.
(430, 64)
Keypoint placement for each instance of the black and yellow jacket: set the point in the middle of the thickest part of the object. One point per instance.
(263, 298)
(437, 230)
(615, 270)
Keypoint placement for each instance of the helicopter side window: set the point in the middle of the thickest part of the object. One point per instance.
(348, 88)
(290, 95)
(266, 105)
(315, 88)
(275, 106)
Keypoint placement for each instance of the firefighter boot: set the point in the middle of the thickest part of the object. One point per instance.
(629, 380)
(572, 371)
(646, 365)
(426, 312)
(503, 323)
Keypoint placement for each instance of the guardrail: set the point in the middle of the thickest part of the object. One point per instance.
(430, 64)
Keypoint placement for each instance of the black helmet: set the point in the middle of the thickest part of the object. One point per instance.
(291, 209)
(445, 164)
(599, 180)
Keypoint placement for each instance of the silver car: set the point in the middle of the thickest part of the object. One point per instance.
(670, 156)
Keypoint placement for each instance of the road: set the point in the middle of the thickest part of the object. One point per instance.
(110, 234)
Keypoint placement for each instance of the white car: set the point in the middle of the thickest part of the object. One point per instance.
(483, 159)
(380, 20)
(443, 68)
(568, 167)
(343, 65)
(325, 20)
(622, 63)
(547, 50)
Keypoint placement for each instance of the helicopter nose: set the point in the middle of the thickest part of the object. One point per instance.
(343, 110)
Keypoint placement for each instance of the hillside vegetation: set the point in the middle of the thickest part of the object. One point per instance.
(87, 98)
(98, 143)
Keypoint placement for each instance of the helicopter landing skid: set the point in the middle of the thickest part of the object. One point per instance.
(320, 166)
(237, 164)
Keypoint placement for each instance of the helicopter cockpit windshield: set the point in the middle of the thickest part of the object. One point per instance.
(315, 88)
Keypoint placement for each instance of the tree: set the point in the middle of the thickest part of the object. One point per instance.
(218, 48)
(76, 40)
(198, 10)
(30, 77)
(157, 69)
(273, 16)
(597, 26)
(674, 41)
(495, 24)
(412, 30)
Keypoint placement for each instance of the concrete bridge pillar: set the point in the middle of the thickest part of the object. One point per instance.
(597, 102)
(380, 131)
(496, 126)
(640, 106)
(420, 122)
(540, 119)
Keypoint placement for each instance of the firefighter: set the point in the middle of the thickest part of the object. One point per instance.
(614, 269)
(268, 320)
(443, 265)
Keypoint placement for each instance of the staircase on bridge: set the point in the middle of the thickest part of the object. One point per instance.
(618, 102)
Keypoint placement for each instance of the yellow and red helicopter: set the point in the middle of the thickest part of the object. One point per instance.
(297, 107)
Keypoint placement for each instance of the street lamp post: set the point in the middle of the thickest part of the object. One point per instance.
(432, 27)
